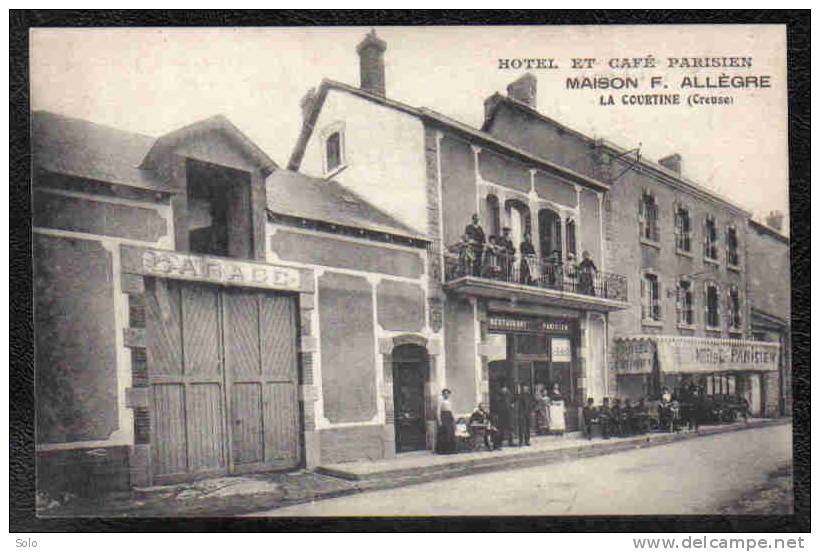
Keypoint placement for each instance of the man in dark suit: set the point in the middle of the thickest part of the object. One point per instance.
(590, 414)
(605, 417)
(506, 404)
(476, 239)
(509, 253)
(524, 406)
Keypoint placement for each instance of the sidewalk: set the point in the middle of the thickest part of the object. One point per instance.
(238, 495)
(423, 466)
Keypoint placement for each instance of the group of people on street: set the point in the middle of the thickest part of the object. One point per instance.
(514, 416)
(495, 257)
(616, 418)
(623, 419)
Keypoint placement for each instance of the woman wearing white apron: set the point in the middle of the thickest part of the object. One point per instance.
(556, 411)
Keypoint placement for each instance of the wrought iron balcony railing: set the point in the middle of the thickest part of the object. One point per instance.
(462, 261)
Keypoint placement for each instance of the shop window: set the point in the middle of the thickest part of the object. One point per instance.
(648, 218)
(219, 211)
(735, 312)
(732, 255)
(710, 239)
(712, 307)
(571, 245)
(650, 298)
(685, 303)
(683, 230)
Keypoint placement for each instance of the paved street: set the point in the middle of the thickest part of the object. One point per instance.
(697, 476)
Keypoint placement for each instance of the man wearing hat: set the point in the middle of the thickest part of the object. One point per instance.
(475, 240)
(509, 252)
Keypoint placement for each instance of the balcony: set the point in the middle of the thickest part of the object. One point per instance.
(536, 281)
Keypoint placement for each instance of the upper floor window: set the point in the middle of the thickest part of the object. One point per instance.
(650, 298)
(685, 303)
(735, 313)
(218, 211)
(683, 230)
(712, 306)
(571, 245)
(732, 255)
(710, 238)
(648, 217)
(334, 147)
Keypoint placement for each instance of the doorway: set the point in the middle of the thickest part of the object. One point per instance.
(223, 379)
(410, 367)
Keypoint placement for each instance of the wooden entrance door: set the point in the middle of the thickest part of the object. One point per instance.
(410, 367)
(260, 380)
(222, 371)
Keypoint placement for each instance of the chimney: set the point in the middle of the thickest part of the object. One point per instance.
(774, 220)
(371, 63)
(672, 162)
(489, 105)
(524, 90)
(307, 102)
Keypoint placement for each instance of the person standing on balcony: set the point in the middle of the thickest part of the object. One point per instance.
(554, 270)
(508, 259)
(476, 239)
(586, 274)
(527, 255)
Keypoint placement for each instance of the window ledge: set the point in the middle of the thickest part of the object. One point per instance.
(652, 323)
(735, 331)
(330, 174)
(710, 260)
(713, 329)
(684, 253)
(734, 267)
(650, 243)
(682, 326)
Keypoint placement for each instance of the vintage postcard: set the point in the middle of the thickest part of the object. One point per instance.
(411, 271)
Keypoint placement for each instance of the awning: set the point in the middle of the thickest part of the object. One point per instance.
(692, 355)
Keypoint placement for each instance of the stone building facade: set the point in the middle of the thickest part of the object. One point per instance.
(683, 249)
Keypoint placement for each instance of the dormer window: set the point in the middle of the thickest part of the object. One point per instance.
(334, 148)
(219, 211)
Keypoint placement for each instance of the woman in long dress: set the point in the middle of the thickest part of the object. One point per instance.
(446, 435)
(543, 412)
(556, 411)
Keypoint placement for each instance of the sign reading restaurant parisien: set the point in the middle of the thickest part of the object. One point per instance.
(169, 264)
(696, 355)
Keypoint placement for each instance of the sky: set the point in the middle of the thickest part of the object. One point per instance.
(153, 81)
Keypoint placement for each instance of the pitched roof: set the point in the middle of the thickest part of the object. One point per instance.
(81, 148)
(217, 123)
(298, 195)
(431, 116)
(658, 169)
(77, 147)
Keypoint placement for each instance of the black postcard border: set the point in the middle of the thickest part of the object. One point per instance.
(21, 408)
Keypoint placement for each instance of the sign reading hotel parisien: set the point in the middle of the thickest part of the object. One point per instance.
(181, 266)
(693, 355)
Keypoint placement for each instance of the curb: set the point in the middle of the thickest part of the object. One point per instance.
(421, 474)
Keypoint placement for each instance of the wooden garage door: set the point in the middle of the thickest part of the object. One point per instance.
(222, 368)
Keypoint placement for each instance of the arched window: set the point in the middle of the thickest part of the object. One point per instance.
(571, 239)
(549, 227)
(493, 216)
(333, 151)
(520, 222)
